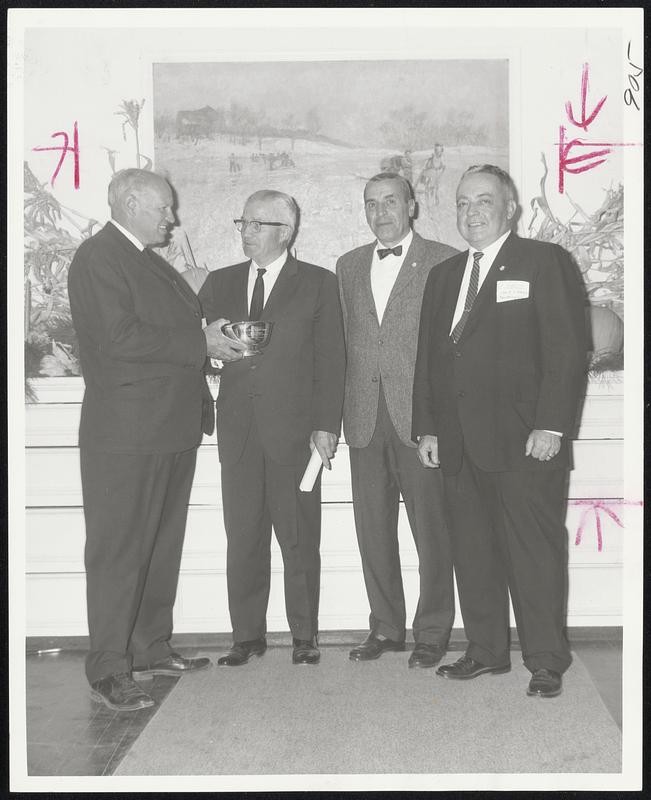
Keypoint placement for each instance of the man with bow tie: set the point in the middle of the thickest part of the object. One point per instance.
(145, 407)
(500, 368)
(272, 407)
(381, 288)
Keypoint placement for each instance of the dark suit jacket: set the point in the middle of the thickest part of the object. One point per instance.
(296, 385)
(385, 352)
(142, 350)
(518, 366)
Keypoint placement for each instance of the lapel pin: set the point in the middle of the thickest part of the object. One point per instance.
(502, 269)
(414, 264)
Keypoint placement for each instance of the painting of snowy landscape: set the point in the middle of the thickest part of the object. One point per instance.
(319, 130)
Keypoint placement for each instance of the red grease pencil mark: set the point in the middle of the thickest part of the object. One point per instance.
(64, 149)
(585, 161)
(596, 506)
(564, 161)
(585, 120)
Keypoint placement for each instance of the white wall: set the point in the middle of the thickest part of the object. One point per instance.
(55, 532)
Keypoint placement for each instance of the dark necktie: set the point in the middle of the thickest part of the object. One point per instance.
(473, 287)
(383, 252)
(257, 299)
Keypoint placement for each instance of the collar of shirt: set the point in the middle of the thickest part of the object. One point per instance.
(385, 272)
(388, 259)
(486, 262)
(269, 278)
(129, 235)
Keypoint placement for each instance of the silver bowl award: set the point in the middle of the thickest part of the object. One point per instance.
(255, 334)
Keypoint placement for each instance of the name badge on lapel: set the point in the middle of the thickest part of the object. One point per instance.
(512, 290)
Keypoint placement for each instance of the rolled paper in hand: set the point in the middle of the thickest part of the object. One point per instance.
(311, 471)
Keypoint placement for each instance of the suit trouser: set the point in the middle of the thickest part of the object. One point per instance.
(508, 534)
(258, 493)
(381, 472)
(135, 508)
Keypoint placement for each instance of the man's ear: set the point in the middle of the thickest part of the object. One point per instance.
(131, 204)
(511, 208)
(412, 208)
(287, 235)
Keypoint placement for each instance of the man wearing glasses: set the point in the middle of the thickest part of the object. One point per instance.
(271, 410)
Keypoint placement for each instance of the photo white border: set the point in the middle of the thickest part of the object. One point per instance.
(630, 22)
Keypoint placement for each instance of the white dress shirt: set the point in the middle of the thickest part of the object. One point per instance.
(485, 263)
(129, 235)
(269, 278)
(384, 273)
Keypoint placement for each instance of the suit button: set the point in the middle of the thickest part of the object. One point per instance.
(461, 394)
(380, 341)
(196, 313)
(254, 366)
(374, 379)
(457, 354)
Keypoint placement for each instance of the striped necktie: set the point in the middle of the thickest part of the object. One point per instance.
(473, 288)
(257, 298)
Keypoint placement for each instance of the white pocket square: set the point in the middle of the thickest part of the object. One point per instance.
(512, 290)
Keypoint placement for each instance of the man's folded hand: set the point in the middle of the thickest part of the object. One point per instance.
(221, 346)
(428, 451)
(326, 444)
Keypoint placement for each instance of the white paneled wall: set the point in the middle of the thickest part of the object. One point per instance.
(55, 529)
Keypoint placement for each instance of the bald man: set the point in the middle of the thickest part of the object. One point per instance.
(146, 404)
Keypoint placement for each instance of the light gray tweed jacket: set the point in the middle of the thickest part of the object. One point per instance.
(385, 352)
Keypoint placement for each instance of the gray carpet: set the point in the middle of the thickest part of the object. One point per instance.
(271, 717)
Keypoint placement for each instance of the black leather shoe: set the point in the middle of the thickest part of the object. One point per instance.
(305, 652)
(120, 692)
(240, 653)
(373, 648)
(173, 664)
(545, 683)
(426, 655)
(466, 668)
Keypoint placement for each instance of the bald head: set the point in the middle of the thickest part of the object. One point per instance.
(141, 201)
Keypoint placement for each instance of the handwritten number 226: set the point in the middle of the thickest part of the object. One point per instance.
(634, 84)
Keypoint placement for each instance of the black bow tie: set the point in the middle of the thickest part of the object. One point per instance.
(383, 252)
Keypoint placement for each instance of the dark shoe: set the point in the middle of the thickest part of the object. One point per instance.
(426, 655)
(373, 648)
(466, 668)
(545, 683)
(240, 653)
(119, 692)
(305, 652)
(173, 664)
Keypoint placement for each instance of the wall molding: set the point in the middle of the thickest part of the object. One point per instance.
(54, 529)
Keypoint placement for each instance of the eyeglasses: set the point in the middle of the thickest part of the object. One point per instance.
(254, 224)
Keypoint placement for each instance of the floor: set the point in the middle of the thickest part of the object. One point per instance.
(68, 734)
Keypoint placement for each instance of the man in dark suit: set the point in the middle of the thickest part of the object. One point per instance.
(146, 403)
(501, 358)
(271, 409)
(381, 286)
